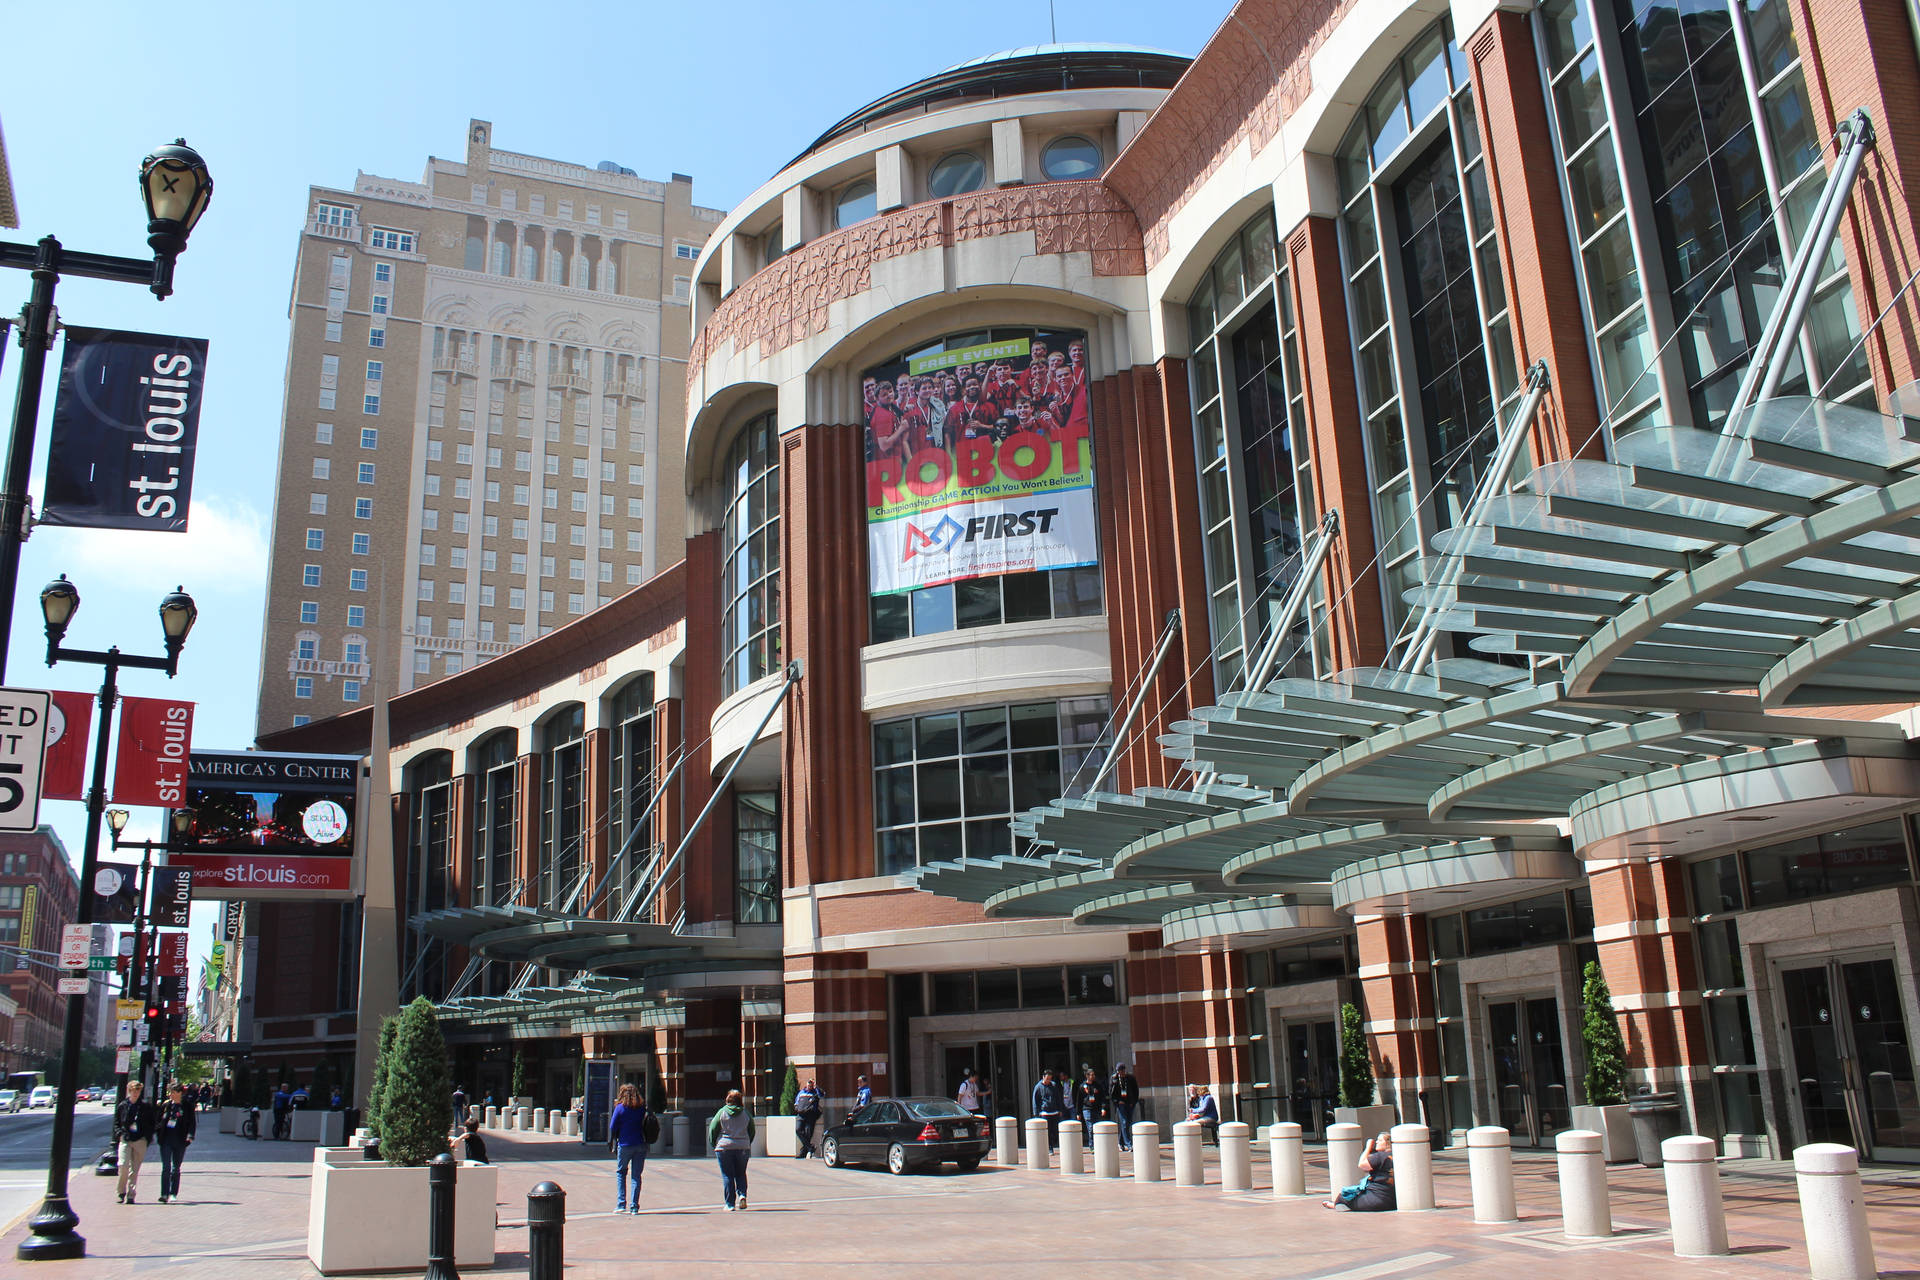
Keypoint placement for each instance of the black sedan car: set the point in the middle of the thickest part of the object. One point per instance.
(909, 1134)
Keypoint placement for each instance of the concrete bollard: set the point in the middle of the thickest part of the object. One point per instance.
(508, 1117)
(493, 1117)
(1146, 1152)
(1345, 1142)
(525, 1119)
(1288, 1154)
(1412, 1167)
(682, 1135)
(1585, 1211)
(1833, 1212)
(1236, 1157)
(1106, 1149)
(1189, 1160)
(573, 1124)
(473, 1112)
(1694, 1207)
(1073, 1151)
(1490, 1169)
(1006, 1141)
(1037, 1143)
(539, 1119)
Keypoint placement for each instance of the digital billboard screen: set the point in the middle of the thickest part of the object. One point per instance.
(267, 825)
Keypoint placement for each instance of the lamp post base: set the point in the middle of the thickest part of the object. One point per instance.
(53, 1237)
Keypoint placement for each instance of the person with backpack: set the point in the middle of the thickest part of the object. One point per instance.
(806, 1114)
(631, 1130)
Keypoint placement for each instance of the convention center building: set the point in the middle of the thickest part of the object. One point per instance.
(1412, 501)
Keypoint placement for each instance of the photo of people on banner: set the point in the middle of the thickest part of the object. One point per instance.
(979, 462)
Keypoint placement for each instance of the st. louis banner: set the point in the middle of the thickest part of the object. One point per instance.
(979, 462)
(124, 430)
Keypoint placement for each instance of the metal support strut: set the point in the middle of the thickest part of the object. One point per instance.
(1493, 482)
(1168, 632)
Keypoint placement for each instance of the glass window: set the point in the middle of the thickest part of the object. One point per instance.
(756, 819)
(1513, 925)
(562, 805)
(956, 174)
(1071, 157)
(751, 572)
(1837, 862)
(429, 868)
(856, 202)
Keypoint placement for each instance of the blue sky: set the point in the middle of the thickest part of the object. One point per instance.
(278, 96)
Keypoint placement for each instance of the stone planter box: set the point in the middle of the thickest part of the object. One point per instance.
(779, 1134)
(1615, 1127)
(1372, 1120)
(327, 1128)
(366, 1215)
(230, 1118)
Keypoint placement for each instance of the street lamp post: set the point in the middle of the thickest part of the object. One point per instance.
(52, 1228)
(176, 187)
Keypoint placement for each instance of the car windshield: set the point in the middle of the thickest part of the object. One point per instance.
(936, 1109)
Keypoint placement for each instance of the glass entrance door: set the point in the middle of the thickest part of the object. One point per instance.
(1852, 1057)
(1312, 1074)
(998, 1064)
(1529, 1069)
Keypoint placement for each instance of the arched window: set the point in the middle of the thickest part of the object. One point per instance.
(529, 261)
(556, 267)
(856, 202)
(500, 260)
(751, 577)
(496, 813)
(630, 783)
(956, 174)
(563, 791)
(1070, 157)
(429, 787)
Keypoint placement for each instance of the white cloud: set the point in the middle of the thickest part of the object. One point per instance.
(223, 550)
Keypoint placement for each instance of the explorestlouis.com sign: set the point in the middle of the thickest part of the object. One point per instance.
(979, 463)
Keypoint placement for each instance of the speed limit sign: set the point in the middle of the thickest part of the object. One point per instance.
(23, 750)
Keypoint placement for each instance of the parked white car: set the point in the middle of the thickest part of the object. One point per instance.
(42, 1096)
(10, 1100)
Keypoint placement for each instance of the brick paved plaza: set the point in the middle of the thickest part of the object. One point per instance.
(245, 1214)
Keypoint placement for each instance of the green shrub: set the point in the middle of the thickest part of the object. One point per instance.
(789, 1091)
(1600, 1030)
(1356, 1068)
(519, 1074)
(416, 1104)
(377, 1088)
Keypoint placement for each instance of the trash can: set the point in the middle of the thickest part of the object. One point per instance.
(1656, 1117)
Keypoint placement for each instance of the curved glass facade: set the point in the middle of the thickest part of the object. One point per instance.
(750, 623)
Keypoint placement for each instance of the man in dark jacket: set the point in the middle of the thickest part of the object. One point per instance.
(806, 1114)
(133, 1124)
(1124, 1093)
(1050, 1104)
(175, 1130)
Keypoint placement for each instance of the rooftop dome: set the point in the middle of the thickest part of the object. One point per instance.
(1034, 68)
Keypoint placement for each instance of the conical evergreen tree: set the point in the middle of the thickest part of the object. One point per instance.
(1606, 1052)
(416, 1108)
(1356, 1068)
(789, 1091)
(382, 1058)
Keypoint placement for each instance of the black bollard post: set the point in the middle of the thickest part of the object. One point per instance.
(442, 1170)
(546, 1232)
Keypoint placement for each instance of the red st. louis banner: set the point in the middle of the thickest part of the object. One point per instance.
(156, 737)
(67, 734)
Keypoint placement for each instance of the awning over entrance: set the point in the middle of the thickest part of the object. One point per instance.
(1643, 622)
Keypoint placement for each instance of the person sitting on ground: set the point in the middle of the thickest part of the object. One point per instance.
(476, 1146)
(1347, 1195)
(1204, 1111)
(1376, 1195)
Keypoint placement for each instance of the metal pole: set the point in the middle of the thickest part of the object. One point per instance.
(36, 334)
(1296, 601)
(442, 1173)
(53, 1235)
(1859, 138)
(720, 789)
(1167, 634)
(546, 1232)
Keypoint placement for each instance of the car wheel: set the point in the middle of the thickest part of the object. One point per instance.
(831, 1153)
(969, 1164)
(896, 1158)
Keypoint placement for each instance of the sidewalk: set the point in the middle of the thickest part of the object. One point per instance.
(245, 1216)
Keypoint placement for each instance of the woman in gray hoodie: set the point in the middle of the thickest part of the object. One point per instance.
(730, 1134)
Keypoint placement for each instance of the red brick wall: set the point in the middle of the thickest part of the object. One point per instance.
(526, 854)
(1356, 627)
(1647, 902)
(1401, 1038)
(711, 1064)
(896, 909)
(1860, 53)
(826, 800)
(836, 1011)
(1187, 1021)
(709, 885)
(1536, 258)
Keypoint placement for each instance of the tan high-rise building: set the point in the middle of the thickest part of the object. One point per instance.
(483, 425)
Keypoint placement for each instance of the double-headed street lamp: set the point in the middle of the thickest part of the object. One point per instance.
(53, 1235)
(176, 187)
(136, 985)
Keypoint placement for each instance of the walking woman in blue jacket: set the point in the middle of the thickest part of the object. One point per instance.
(627, 1135)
